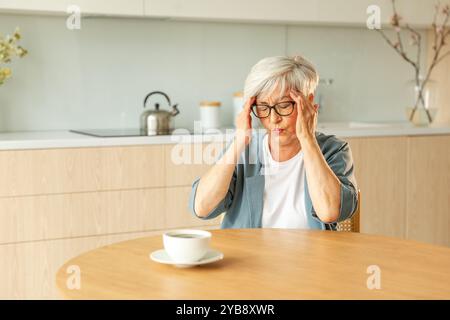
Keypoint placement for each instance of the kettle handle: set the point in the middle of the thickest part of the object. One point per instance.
(156, 92)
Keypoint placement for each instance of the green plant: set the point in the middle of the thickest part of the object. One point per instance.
(8, 50)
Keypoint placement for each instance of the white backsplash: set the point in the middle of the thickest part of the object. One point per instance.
(97, 77)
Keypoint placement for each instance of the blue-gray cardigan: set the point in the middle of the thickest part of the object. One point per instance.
(243, 202)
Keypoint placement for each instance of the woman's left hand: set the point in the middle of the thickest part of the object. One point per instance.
(306, 116)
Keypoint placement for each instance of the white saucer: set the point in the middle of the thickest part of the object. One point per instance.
(161, 256)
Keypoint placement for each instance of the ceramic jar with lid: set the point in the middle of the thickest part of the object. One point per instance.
(210, 114)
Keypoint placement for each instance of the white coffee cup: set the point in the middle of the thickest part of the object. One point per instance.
(186, 245)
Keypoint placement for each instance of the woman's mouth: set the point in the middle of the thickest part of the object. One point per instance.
(277, 130)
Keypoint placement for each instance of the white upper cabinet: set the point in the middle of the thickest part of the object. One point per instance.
(312, 12)
(324, 12)
(100, 7)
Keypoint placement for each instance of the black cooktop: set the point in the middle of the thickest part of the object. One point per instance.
(130, 132)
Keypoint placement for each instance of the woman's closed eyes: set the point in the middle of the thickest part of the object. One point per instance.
(263, 109)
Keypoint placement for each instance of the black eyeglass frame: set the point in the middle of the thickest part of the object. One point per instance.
(273, 107)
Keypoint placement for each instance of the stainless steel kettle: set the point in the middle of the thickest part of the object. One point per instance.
(157, 122)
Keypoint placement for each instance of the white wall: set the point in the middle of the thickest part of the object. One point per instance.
(371, 79)
(97, 77)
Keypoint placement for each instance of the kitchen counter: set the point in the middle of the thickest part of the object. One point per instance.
(67, 139)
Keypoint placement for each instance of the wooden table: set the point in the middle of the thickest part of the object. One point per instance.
(267, 264)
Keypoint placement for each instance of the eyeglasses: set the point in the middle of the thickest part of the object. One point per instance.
(283, 109)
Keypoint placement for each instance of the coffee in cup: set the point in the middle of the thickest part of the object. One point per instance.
(186, 245)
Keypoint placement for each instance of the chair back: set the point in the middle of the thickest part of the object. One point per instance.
(352, 224)
(349, 225)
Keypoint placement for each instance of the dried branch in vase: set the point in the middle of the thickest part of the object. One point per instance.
(441, 32)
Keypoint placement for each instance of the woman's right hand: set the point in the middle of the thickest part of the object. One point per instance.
(244, 124)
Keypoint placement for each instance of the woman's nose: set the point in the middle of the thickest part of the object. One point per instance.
(274, 117)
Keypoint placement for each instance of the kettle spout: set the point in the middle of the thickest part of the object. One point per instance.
(175, 111)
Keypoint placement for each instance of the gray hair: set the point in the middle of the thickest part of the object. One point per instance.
(287, 72)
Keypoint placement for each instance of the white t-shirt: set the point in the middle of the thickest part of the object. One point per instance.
(284, 191)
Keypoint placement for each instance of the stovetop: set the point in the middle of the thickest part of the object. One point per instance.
(124, 132)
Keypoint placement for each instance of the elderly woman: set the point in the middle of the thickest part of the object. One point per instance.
(299, 178)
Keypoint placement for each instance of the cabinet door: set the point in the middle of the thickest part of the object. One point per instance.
(231, 10)
(27, 270)
(101, 7)
(177, 212)
(186, 162)
(345, 12)
(428, 200)
(69, 170)
(79, 214)
(381, 175)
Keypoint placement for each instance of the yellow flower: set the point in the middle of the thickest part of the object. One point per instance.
(6, 72)
(8, 50)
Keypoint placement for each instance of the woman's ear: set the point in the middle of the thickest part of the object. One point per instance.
(311, 97)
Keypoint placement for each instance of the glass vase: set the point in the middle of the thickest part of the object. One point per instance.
(421, 109)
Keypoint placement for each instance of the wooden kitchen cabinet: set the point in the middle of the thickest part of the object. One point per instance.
(58, 203)
(80, 214)
(380, 170)
(100, 7)
(75, 192)
(186, 162)
(69, 170)
(28, 269)
(405, 186)
(428, 189)
(177, 211)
